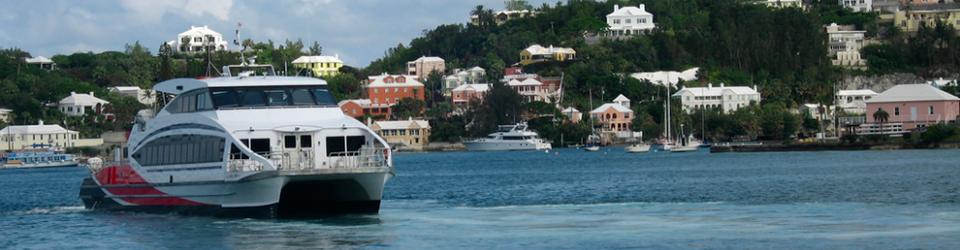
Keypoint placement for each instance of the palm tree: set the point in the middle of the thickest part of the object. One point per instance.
(881, 117)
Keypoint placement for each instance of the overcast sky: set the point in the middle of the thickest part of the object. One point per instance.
(358, 30)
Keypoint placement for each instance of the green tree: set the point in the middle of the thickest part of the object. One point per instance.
(408, 107)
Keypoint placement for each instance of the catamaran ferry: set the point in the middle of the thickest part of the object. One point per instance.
(251, 145)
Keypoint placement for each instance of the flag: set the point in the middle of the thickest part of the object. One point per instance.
(240, 24)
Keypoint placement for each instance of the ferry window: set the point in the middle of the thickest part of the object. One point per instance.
(236, 154)
(340, 145)
(260, 146)
(324, 97)
(276, 97)
(302, 97)
(290, 141)
(252, 98)
(225, 98)
(203, 101)
(306, 141)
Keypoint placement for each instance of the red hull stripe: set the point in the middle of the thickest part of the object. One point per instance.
(123, 175)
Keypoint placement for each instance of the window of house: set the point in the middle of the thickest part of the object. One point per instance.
(197, 39)
(376, 100)
(931, 110)
(896, 110)
(628, 20)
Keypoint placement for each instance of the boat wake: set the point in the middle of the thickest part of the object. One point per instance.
(49, 210)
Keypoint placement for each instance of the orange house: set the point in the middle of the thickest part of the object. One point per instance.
(389, 89)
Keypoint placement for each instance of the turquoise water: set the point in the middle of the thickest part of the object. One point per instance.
(561, 199)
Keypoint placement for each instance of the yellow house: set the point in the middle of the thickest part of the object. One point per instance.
(537, 53)
(320, 65)
(409, 133)
(910, 20)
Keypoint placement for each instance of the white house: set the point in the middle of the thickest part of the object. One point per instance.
(667, 77)
(145, 96)
(42, 62)
(629, 21)
(857, 5)
(780, 3)
(727, 98)
(21, 137)
(461, 77)
(5, 114)
(198, 39)
(854, 101)
(77, 104)
(845, 44)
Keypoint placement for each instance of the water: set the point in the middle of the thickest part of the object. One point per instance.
(564, 199)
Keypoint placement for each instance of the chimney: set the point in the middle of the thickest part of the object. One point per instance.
(616, 7)
(369, 121)
(91, 93)
(641, 7)
(336, 55)
(709, 85)
(721, 85)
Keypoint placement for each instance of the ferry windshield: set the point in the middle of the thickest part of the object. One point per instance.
(271, 96)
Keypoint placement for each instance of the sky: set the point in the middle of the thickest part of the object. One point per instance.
(358, 31)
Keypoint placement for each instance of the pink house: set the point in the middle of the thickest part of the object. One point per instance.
(910, 106)
(462, 95)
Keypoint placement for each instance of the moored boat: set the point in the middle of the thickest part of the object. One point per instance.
(509, 138)
(38, 159)
(244, 146)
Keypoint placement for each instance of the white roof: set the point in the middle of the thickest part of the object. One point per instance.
(663, 77)
(317, 59)
(5, 110)
(40, 128)
(199, 31)
(82, 99)
(912, 93)
(630, 11)
(715, 91)
(536, 49)
(409, 81)
(527, 82)
(402, 124)
(605, 107)
(39, 59)
(476, 68)
(361, 102)
(621, 98)
(570, 110)
(479, 87)
(124, 88)
(941, 82)
(429, 59)
(857, 92)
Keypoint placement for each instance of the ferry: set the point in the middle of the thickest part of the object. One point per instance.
(509, 138)
(38, 159)
(251, 145)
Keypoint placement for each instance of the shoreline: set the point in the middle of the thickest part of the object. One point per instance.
(827, 147)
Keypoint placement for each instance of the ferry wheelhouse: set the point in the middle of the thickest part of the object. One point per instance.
(252, 145)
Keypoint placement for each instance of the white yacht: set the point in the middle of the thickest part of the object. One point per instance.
(509, 138)
(252, 145)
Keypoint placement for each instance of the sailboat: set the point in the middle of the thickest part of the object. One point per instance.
(593, 140)
(684, 143)
(667, 141)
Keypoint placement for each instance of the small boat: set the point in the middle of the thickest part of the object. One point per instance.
(514, 137)
(638, 147)
(591, 147)
(251, 145)
(38, 159)
(685, 144)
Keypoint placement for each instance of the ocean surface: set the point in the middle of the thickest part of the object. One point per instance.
(560, 199)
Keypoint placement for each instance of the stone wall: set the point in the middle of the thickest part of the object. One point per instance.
(878, 83)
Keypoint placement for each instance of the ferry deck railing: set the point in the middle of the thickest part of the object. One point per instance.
(305, 159)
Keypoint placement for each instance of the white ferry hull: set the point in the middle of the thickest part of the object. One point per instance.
(504, 146)
(274, 194)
